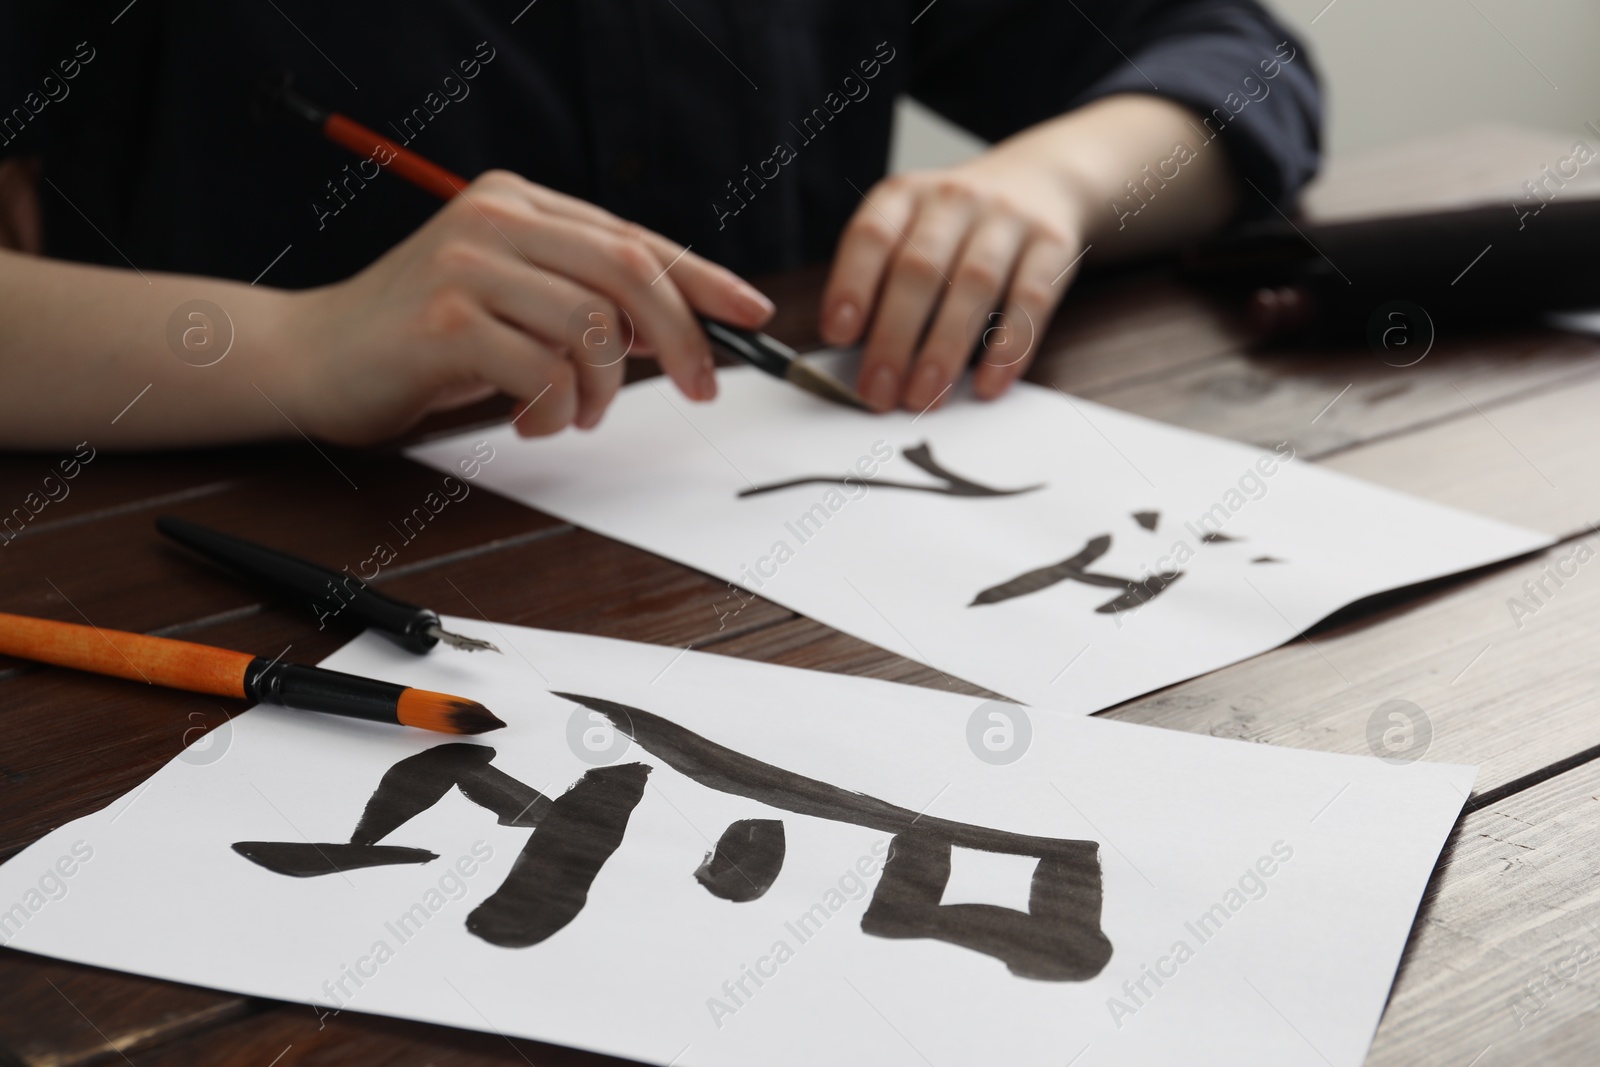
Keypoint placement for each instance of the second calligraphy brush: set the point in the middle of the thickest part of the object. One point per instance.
(222, 672)
(415, 629)
(764, 353)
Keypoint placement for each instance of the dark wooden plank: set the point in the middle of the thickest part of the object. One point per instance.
(801, 642)
(67, 1015)
(63, 1014)
(302, 1038)
(107, 481)
(119, 572)
(585, 583)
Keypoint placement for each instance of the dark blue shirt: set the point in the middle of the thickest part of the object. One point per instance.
(747, 128)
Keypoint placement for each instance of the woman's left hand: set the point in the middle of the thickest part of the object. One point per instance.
(933, 262)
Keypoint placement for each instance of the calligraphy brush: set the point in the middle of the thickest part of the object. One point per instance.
(415, 629)
(764, 353)
(221, 672)
(771, 356)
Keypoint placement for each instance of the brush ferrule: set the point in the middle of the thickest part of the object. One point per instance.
(757, 349)
(420, 632)
(314, 689)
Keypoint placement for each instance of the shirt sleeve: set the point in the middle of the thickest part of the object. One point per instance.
(998, 68)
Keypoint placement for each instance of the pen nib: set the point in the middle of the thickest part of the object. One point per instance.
(465, 644)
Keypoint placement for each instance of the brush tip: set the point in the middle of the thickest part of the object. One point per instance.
(820, 383)
(444, 713)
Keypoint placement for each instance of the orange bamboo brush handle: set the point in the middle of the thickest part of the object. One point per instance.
(414, 168)
(157, 660)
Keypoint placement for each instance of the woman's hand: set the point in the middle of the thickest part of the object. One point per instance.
(932, 256)
(510, 287)
(934, 262)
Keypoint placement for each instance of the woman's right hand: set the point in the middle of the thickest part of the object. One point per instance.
(514, 288)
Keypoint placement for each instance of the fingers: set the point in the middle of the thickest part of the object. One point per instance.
(934, 266)
(977, 283)
(599, 378)
(1043, 275)
(625, 269)
(545, 383)
(567, 318)
(621, 268)
(547, 305)
(869, 240)
(710, 289)
(919, 275)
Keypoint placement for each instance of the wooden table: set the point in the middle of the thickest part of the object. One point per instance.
(1504, 425)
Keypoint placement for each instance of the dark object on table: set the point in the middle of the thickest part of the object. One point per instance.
(1465, 268)
(414, 629)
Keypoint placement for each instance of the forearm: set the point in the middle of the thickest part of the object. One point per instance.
(81, 343)
(501, 290)
(1138, 169)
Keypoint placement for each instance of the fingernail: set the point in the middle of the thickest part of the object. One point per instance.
(756, 302)
(705, 383)
(926, 385)
(882, 388)
(842, 323)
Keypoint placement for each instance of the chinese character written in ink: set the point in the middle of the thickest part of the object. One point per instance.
(921, 456)
(1058, 938)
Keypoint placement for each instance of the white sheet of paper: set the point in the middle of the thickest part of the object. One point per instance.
(900, 568)
(1310, 866)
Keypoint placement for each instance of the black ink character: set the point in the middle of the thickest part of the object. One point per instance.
(1073, 568)
(549, 881)
(1057, 939)
(921, 456)
(746, 861)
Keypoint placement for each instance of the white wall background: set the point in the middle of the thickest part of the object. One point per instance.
(1399, 69)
